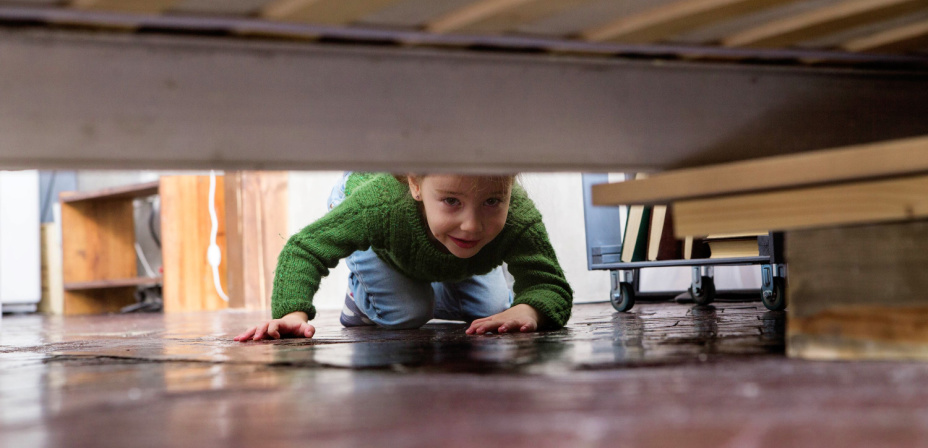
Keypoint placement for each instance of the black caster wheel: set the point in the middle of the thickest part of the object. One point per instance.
(623, 298)
(775, 297)
(706, 294)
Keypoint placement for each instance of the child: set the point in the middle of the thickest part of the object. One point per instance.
(420, 247)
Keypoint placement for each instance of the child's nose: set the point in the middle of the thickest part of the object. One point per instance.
(472, 223)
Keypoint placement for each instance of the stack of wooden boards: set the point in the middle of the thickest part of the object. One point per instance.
(649, 236)
(856, 241)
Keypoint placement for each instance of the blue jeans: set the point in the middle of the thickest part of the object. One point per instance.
(393, 300)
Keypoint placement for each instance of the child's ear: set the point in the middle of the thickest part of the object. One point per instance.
(414, 189)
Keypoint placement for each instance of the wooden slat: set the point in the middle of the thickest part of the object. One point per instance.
(324, 12)
(896, 40)
(121, 192)
(113, 283)
(256, 223)
(131, 6)
(868, 161)
(856, 203)
(489, 16)
(185, 226)
(822, 21)
(664, 21)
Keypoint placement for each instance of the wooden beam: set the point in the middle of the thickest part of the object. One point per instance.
(131, 6)
(390, 108)
(856, 203)
(896, 40)
(664, 21)
(498, 15)
(873, 160)
(820, 22)
(858, 292)
(325, 12)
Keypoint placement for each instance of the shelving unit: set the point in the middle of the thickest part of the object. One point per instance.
(98, 248)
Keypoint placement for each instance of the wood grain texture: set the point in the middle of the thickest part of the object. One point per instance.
(868, 161)
(896, 40)
(820, 22)
(256, 219)
(323, 12)
(667, 20)
(495, 16)
(859, 292)
(98, 243)
(185, 226)
(855, 203)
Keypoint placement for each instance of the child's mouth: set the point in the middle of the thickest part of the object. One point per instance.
(464, 244)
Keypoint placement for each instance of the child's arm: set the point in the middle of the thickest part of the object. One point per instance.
(293, 325)
(520, 318)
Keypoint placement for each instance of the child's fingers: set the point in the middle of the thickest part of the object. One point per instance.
(246, 335)
(509, 325)
(273, 329)
(261, 331)
(309, 331)
(529, 327)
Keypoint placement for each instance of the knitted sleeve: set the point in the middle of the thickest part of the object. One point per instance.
(539, 279)
(309, 254)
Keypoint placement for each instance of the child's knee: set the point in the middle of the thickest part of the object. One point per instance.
(403, 312)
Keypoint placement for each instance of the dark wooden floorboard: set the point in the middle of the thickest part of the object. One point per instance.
(663, 375)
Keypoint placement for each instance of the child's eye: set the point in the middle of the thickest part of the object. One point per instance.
(451, 201)
(493, 202)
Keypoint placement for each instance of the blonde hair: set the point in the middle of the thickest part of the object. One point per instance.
(498, 181)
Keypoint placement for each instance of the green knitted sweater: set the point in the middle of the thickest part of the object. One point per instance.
(379, 213)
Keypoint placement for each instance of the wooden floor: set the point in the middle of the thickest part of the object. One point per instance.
(664, 375)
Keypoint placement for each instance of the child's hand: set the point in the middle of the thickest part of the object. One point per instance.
(520, 318)
(293, 325)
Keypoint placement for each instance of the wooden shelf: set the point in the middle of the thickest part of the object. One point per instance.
(123, 192)
(114, 283)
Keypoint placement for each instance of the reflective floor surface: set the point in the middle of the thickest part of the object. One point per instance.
(664, 375)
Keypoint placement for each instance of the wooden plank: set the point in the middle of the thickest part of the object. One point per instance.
(868, 161)
(52, 284)
(121, 192)
(256, 219)
(656, 24)
(112, 283)
(98, 243)
(896, 40)
(855, 203)
(185, 226)
(357, 97)
(494, 16)
(130, 6)
(324, 12)
(858, 292)
(98, 301)
(820, 22)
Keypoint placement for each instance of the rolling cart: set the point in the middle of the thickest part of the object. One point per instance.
(604, 252)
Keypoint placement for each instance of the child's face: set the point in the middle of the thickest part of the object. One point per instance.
(464, 213)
